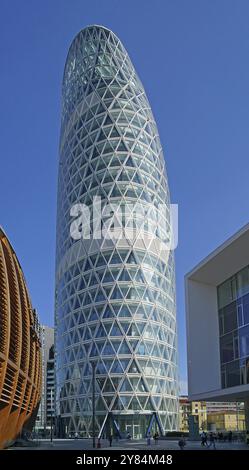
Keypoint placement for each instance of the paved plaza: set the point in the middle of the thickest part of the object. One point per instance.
(128, 445)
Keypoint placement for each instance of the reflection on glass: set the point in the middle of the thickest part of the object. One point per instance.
(233, 303)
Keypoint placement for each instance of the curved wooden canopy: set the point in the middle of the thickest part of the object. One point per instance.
(20, 352)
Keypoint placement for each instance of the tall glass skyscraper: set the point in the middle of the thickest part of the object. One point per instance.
(115, 298)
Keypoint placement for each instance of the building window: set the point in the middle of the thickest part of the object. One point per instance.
(233, 303)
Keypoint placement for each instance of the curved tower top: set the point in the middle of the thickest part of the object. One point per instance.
(89, 68)
(115, 294)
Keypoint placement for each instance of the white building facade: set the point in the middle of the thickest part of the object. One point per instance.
(217, 310)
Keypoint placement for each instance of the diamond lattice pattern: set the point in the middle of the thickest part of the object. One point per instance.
(114, 305)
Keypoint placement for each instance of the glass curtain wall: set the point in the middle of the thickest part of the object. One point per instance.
(114, 303)
(233, 302)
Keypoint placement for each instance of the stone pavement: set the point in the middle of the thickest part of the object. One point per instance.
(128, 445)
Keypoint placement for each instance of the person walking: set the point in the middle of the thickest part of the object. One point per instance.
(110, 440)
(203, 439)
(156, 436)
(212, 441)
(182, 442)
(148, 439)
(220, 436)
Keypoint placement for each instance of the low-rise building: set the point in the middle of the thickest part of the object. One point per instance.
(226, 421)
(212, 416)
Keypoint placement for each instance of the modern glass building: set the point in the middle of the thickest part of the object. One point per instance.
(233, 303)
(217, 307)
(115, 298)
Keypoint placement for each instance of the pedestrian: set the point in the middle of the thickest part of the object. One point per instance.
(203, 439)
(230, 436)
(148, 439)
(182, 442)
(220, 436)
(212, 441)
(110, 439)
(247, 437)
(156, 436)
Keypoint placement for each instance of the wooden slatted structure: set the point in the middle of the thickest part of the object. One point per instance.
(20, 349)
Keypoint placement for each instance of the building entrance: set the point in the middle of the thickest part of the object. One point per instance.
(134, 430)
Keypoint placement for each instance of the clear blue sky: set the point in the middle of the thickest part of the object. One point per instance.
(193, 59)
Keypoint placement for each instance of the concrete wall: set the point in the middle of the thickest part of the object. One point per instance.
(203, 338)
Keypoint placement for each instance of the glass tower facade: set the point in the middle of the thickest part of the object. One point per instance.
(115, 299)
(233, 302)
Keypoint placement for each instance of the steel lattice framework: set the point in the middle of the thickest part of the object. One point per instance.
(115, 301)
(20, 353)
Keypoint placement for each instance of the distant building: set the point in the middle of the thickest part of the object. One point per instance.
(184, 413)
(44, 413)
(212, 416)
(20, 349)
(50, 387)
(217, 309)
(226, 420)
(223, 406)
(199, 409)
(188, 409)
